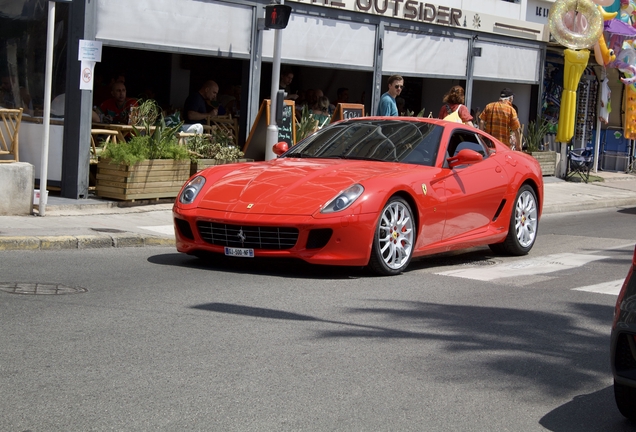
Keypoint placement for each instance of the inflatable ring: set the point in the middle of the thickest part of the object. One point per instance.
(575, 33)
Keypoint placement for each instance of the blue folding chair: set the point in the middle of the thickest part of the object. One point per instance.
(580, 162)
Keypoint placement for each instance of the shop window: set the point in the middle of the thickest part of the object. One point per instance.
(23, 53)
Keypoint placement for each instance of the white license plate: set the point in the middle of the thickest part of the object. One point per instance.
(239, 252)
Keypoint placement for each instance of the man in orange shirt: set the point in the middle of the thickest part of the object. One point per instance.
(499, 119)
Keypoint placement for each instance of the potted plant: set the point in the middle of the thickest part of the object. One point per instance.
(150, 165)
(212, 149)
(534, 138)
(306, 125)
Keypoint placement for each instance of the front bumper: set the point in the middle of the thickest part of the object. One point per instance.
(349, 244)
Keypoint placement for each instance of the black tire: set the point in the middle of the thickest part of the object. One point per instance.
(394, 239)
(523, 226)
(625, 397)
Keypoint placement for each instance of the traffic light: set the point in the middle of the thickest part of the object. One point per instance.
(277, 16)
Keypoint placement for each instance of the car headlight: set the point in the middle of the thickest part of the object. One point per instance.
(191, 190)
(343, 200)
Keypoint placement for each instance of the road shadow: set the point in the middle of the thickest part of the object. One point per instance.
(543, 351)
(295, 268)
(593, 412)
(286, 268)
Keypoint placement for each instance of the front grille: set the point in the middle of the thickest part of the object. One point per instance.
(184, 228)
(318, 238)
(246, 236)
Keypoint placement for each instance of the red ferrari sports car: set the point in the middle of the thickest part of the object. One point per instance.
(372, 191)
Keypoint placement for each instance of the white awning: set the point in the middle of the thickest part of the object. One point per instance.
(191, 25)
(507, 62)
(424, 55)
(322, 40)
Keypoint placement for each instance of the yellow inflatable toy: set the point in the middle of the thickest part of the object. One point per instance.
(630, 113)
(578, 25)
(602, 53)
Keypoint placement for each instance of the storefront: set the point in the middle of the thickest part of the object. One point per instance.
(175, 44)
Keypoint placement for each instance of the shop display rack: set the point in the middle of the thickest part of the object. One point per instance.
(585, 111)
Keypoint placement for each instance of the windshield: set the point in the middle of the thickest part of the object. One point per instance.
(379, 140)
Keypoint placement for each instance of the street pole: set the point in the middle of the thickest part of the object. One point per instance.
(272, 129)
(48, 73)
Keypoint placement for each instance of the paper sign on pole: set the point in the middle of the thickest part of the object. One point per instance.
(90, 52)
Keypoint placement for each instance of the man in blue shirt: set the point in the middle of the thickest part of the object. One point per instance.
(387, 105)
(196, 108)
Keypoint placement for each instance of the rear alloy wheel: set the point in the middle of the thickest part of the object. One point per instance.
(625, 400)
(524, 222)
(394, 239)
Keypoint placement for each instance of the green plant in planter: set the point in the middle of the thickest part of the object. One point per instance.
(306, 125)
(162, 143)
(535, 133)
(218, 146)
(146, 112)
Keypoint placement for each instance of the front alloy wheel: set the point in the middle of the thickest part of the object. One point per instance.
(524, 222)
(394, 239)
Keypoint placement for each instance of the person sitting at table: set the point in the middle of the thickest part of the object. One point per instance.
(116, 110)
(196, 108)
(320, 111)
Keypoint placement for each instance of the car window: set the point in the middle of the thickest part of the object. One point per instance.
(465, 140)
(487, 142)
(413, 142)
(461, 140)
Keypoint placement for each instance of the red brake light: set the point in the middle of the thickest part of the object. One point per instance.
(634, 258)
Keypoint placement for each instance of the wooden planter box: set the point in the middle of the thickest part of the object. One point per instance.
(547, 160)
(150, 179)
(201, 164)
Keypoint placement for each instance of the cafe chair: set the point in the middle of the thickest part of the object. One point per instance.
(580, 162)
(10, 120)
(226, 123)
(98, 145)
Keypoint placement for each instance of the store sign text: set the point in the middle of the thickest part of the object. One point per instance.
(407, 9)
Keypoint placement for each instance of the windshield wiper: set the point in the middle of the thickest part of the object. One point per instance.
(362, 158)
(299, 155)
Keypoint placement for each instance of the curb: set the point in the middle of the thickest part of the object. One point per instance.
(127, 239)
(597, 205)
(45, 243)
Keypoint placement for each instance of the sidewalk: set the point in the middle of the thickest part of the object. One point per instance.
(93, 223)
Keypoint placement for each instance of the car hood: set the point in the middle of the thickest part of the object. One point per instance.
(287, 186)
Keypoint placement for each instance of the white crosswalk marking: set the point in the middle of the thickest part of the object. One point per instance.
(525, 267)
(161, 229)
(612, 287)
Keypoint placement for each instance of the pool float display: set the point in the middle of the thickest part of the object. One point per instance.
(602, 54)
(576, 24)
(575, 63)
(629, 131)
(626, 11)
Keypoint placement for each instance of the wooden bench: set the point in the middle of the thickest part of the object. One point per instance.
(10, 120)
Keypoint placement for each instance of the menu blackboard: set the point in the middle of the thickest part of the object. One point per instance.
(347, 111)
(254, 147)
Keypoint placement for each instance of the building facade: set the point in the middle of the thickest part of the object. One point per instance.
(167, 48)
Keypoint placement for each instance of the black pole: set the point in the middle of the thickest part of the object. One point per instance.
(75, 164)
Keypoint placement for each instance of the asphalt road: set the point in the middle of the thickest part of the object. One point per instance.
(163, 341)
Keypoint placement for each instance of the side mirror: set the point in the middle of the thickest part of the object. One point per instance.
(280, 148)
(464, 157)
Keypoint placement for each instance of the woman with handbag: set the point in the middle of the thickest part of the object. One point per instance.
(454, 109)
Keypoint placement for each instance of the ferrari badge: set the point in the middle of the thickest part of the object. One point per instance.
(424, 189)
